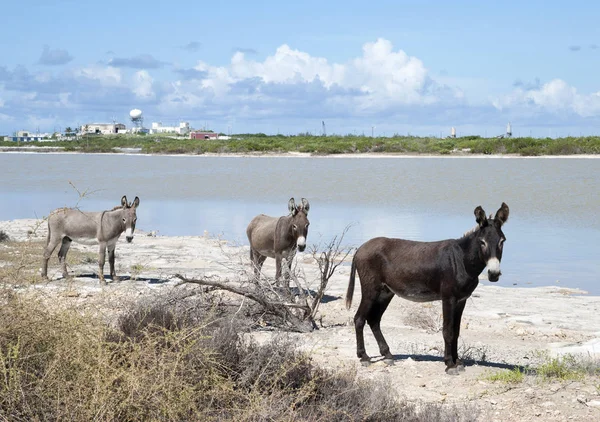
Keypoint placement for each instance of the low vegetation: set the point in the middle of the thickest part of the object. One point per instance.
(167, 362)
(560, 368)
(507, 376)
(322, 145)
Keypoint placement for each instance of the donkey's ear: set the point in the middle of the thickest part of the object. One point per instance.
(292, 206)
(480, 217)
(305, 205)
(136, 202)
(124, 201)
(502, 214)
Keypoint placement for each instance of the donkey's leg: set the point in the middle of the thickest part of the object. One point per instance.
(288, 272)
(458, 311)
(364, 313)
(257, 262)
(51, 245)
(449, 309)
(111, 260)
(253, 263)
(374, 319)
(101, 261)
(277, 269)
(62, 255)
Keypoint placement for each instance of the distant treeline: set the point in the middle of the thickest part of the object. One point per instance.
(323, 145)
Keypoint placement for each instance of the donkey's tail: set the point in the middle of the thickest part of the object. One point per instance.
(350, 291)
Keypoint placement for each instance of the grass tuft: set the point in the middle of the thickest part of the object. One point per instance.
(507, 376)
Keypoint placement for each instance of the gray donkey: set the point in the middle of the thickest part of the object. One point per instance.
(278, 237)
(105, 228)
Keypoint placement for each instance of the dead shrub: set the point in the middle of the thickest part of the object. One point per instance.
(3, 236)
(171, 362)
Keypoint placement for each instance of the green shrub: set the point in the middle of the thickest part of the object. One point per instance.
(508, 376)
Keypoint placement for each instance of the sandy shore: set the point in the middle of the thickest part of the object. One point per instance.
(502, 326)
(292, 154)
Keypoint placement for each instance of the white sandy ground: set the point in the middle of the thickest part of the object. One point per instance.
(510, 325)
(32, 149)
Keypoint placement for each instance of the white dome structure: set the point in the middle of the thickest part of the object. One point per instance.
(135, 113)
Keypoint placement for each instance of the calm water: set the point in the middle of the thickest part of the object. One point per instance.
(553, 233)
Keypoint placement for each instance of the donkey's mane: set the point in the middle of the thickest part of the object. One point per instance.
(117, 207)
(474, 229)
(471, 231)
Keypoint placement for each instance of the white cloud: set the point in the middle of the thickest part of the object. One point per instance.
(555, 96)
(381, 85)
(106, 75)
(142, 82)
(380, 79)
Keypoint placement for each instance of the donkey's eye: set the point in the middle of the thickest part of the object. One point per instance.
(295, 227)
(123, 220)
(307, 224)
(483, 243)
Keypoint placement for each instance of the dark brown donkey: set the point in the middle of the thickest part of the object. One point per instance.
(103, 228)
(447, 270)
(278, 237)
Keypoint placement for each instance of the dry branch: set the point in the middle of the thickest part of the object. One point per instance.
(270, 303)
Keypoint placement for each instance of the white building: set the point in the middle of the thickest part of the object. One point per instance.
(182, 129)
(103, 128)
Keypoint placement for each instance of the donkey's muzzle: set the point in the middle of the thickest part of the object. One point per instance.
(301, 248)
(129, 239)
(494, 276)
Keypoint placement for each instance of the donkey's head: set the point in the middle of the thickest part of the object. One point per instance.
(491, 239)
(129, 216)
(300, 222)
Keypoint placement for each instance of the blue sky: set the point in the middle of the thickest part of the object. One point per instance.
(416, 67)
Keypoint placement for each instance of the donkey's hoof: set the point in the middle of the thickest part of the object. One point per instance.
(453, 371)
(365, 363)
(116, 279)
(389, 361)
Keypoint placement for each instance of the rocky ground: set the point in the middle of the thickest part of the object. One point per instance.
(502, 327)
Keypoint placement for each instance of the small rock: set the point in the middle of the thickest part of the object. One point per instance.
(581, 399)
(493, 402)
(538, 413)
(423, 385)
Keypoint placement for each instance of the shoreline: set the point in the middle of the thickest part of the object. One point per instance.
(18, 231)
(372, 155)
